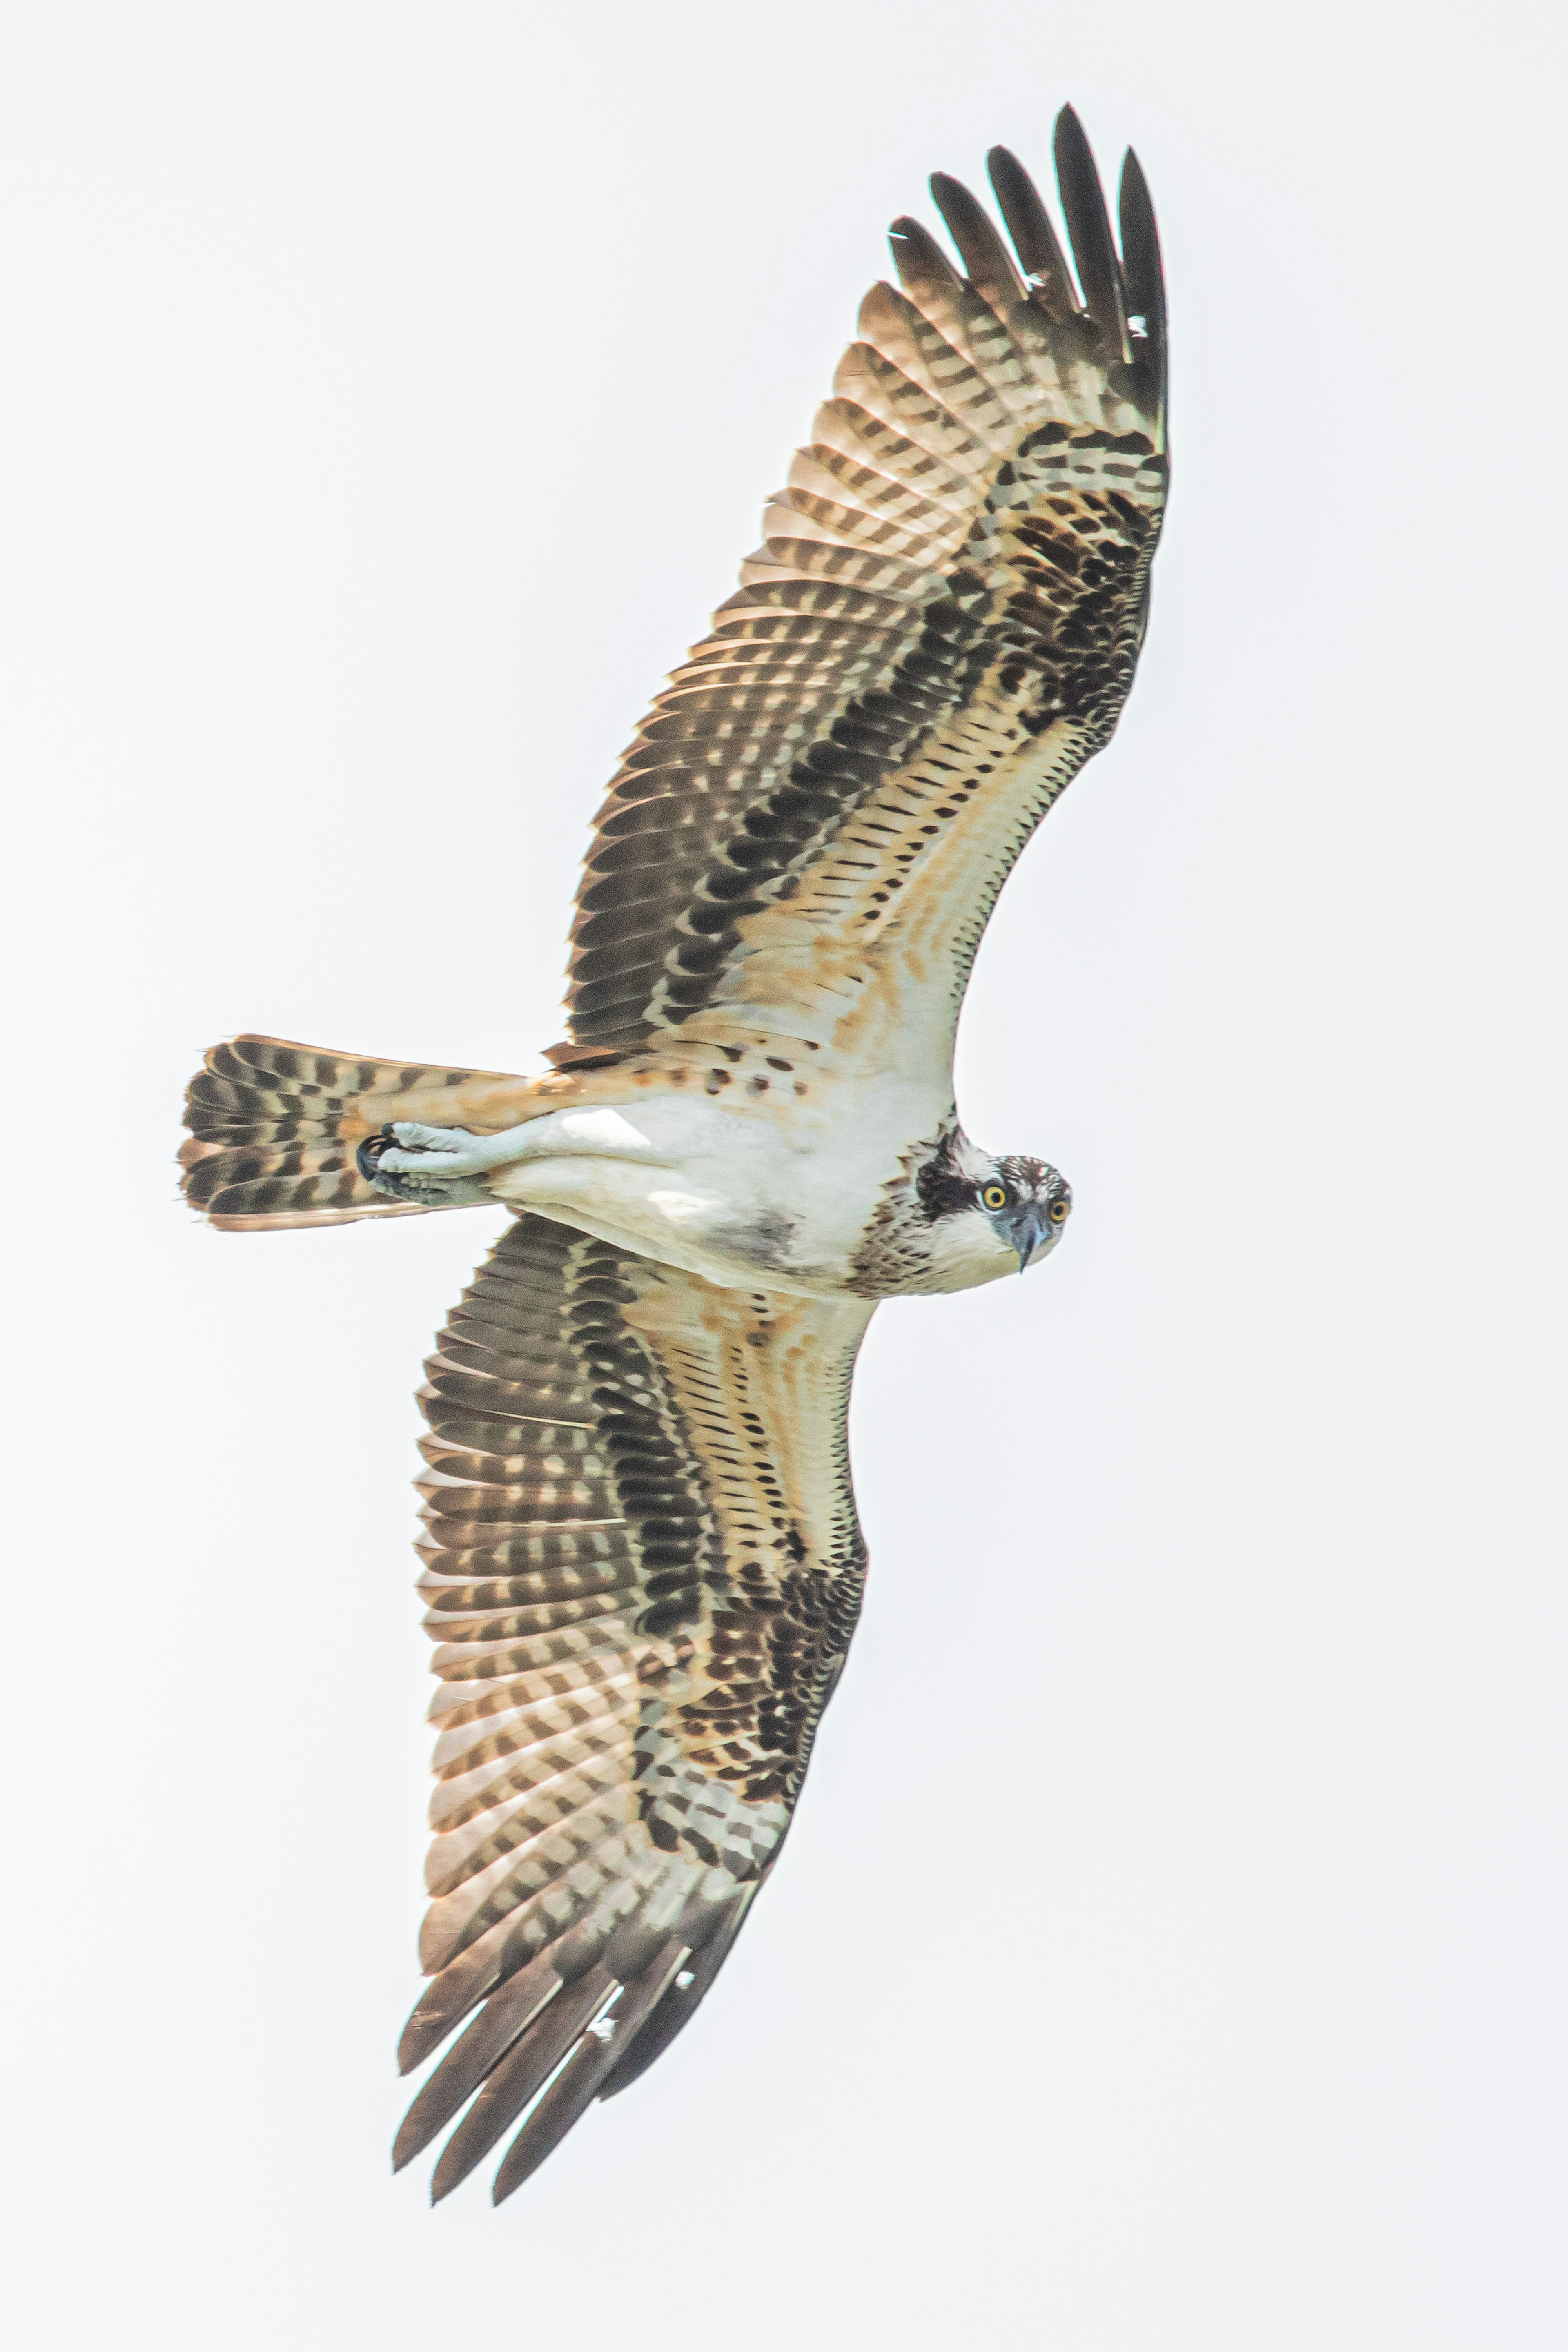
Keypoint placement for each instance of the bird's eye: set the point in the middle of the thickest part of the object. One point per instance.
(1057, 1211)
(994, 1196)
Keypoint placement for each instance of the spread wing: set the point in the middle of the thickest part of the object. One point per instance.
(942, 627)
(643, 1567)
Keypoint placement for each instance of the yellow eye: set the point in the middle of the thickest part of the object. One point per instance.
(1057, 1211)
(994, 1196)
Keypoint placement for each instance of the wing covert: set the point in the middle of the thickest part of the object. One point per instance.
(643, 1570)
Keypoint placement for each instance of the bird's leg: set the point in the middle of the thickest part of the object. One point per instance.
(442, 1166)
(406, 1156)
(419, 1150)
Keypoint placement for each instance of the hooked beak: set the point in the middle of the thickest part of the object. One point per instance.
(1030, 1230)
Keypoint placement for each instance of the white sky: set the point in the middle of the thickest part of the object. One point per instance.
(1171, 1951)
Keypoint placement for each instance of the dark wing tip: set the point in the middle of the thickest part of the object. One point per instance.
(1089, 228)
(991, 269)
(445, 2002)
(520, 2076)
(537, 2033)
(505, 2018)
(1034, 239)
(1142, 270)
(577, 2085)
(918, 257)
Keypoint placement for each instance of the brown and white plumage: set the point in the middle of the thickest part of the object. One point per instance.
(950, 595)
(643, 1568)
(643, 1565)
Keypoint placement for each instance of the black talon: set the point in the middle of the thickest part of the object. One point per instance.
(367, 1158)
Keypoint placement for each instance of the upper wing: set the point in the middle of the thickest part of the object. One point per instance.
(644, 1569)
(941, 628)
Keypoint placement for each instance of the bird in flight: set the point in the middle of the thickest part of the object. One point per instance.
(642, 1559)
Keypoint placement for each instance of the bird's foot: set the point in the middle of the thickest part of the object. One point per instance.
(415, 1150)
(437, 1165)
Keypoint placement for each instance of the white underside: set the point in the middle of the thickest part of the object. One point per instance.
(748, 1199)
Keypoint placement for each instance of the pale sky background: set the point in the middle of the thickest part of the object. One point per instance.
(388, 393)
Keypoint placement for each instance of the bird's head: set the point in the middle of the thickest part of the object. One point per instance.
(988, 1216)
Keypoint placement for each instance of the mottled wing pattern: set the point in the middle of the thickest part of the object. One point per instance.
(274, 1128)
(643, 1570)
(940, 627)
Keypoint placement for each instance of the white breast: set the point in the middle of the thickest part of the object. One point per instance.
(750, 1198)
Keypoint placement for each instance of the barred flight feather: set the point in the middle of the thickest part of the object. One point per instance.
(969, 533)
(631, 1774)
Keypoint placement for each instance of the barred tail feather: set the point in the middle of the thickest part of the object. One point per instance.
(274, 1128)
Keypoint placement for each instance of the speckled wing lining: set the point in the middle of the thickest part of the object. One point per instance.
(643, 1568)
(940, 627)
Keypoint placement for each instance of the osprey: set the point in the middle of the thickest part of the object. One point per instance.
(641, 1554)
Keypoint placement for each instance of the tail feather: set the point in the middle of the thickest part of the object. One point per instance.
(274, 1128)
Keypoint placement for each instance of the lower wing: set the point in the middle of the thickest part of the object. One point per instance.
(643, 1567)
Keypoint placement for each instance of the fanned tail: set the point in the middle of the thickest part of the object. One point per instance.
(275, 1127)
